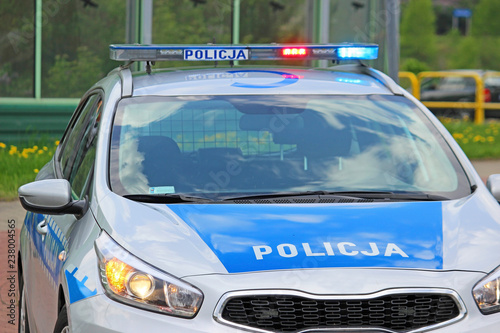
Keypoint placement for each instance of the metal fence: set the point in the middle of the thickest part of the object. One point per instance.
(479, 105)
(24, 119)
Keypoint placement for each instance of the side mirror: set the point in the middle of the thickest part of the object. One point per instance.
(493, 184)
(51, 196)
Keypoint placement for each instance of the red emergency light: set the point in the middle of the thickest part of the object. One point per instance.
(294, 52)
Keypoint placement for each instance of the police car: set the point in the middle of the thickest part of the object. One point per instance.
(269, 199)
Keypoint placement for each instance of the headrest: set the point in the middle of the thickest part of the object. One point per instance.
(158, 144)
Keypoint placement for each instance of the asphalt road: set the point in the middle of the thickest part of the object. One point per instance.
(11, 218)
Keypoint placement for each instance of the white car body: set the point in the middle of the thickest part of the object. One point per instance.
(321, 252)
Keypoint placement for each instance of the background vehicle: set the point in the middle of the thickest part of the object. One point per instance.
(461, 89)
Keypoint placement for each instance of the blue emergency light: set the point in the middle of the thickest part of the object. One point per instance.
(211, 52)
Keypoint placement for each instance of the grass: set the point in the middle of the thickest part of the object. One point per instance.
(477, 141)
(20, 165)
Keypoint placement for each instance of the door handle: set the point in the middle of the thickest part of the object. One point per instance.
(42, 228)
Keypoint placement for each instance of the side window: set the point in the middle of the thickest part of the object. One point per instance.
(78, 154)
(81, 172)
(74, 135)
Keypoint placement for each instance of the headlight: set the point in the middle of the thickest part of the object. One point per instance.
(129, 280)
(487, 293)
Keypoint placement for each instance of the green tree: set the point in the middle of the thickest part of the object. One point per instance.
(76, 40)
(477, 52)
(16, 48)
(418, 25)
(413, 65)
(183, 22)
(482, 48)
(71, 78)
(485, 20)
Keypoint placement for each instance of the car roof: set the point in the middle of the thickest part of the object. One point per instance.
(255, 81)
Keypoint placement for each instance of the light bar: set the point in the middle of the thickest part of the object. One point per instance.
(210, 52)
(297, 52)
(357, 53)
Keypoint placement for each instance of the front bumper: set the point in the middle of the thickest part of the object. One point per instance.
(101, 314)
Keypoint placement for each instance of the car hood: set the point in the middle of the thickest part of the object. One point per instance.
(194, 239)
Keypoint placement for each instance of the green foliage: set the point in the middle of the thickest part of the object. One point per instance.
(485, 20)
(477, 141)
(418, 31)
(71, 78)
(13, 82)
(481, 50)
(421, 50)
(16, 48)
(447, 49)
(76, 38)
(19, 165)
(466, 54)
(181, 22)
(477, 52)
(414, 65)
(261, 24)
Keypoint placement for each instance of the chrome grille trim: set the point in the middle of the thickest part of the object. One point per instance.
(294, 293)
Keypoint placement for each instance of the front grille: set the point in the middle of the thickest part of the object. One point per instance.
(393, 312)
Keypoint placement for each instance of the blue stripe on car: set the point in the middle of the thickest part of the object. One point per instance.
(49, 246)
(264, 237)
(76, 288)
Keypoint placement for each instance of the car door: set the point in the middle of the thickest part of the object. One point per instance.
(51, 235)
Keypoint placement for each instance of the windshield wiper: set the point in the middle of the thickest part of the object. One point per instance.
(166, 198)
(380, 195)
(340, 195)
(411, 196)
(274, 195)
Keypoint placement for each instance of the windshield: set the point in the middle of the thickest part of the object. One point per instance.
(216, 146)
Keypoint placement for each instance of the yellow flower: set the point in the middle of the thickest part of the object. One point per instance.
(13, 150)
(2, 145)
(465, 141)
(458, 135)
(35, 147)
(56, 143)
(45, 148)
(40, 152)
(490, 139)
(477, 138)
(36, 170)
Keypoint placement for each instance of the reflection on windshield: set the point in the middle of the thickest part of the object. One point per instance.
(214, 145)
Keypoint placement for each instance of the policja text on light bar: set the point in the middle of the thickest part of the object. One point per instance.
(209, 52)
